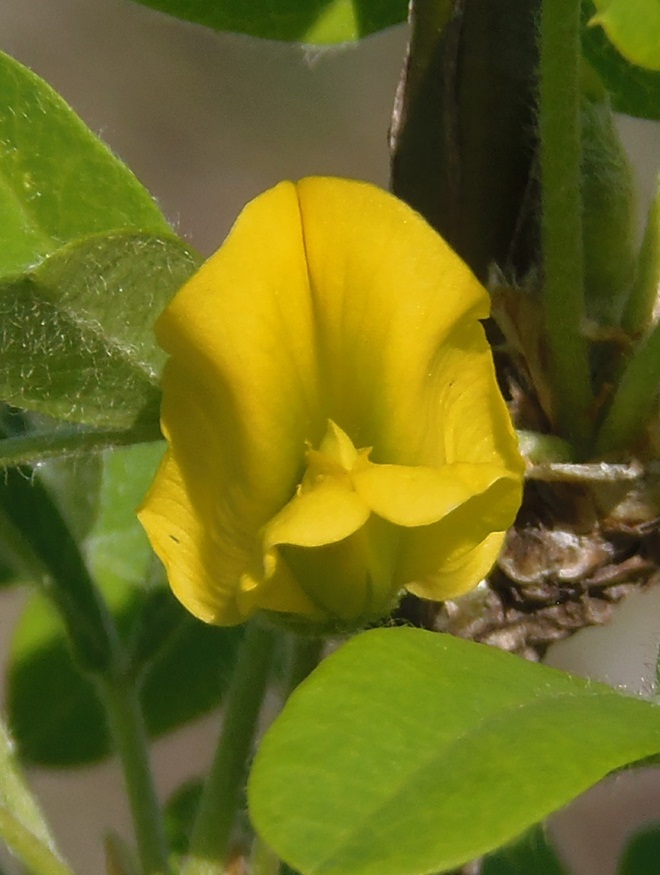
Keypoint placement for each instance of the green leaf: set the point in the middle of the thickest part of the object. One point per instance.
(35, 532)
(53, 707)
(116, 546)
(58, 182)
(532, 853)
(310, 21)
(633, 90)
(190, 676)
(180, 815)
(56, 717)
(76, 333)
(642, 854)
(410, 752)
(634, 28)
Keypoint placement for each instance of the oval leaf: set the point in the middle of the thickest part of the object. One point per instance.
(58, 182)
(634, 28)
(409, 752)
(309, 21)
(76, 333)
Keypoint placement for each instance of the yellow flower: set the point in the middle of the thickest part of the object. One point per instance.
(335, 430)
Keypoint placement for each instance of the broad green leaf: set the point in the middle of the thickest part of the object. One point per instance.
(76, 333)
(633, 90)
(634, 28)
(309, 21)
(58, 182)
(408, 752)
(532, 854)
(642, 854)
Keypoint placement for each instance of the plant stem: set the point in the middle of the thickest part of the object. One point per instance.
(36, 856)
(222, 790)
(563, 292)
(119, 694)
(37, 447)
(303, 659)
(639, 308)
(634, 400)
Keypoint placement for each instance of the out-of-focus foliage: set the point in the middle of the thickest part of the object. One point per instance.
(307, 21)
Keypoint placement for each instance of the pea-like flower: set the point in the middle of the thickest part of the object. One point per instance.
(336, 433)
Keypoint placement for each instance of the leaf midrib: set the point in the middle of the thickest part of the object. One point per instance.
(358, 826)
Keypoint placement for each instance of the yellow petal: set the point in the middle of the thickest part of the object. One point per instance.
(451, 556)
(351, 579)
(471, 417)
(330, 301)
(183, 541)
(388, 294)
(242, 329)
(328, 513)
(460, 574)
(418, 496)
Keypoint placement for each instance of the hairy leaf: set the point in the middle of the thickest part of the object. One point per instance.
(76, 333)
(58, 182)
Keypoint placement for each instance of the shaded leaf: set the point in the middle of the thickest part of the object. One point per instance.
(58, 182)
(532, 853)
(308, 21)
(116, 546)
(53, 707)
(76, 333)
(36, 534)
(642, 853)
(413, 752)
(633, 90)
(180, 814)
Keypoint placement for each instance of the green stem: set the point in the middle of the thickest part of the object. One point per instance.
(36, 856)
(303, 658)
(31, 448)
(561, 231)
(121, 699)
(222, 790)
(639, 308)
(634, 400)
